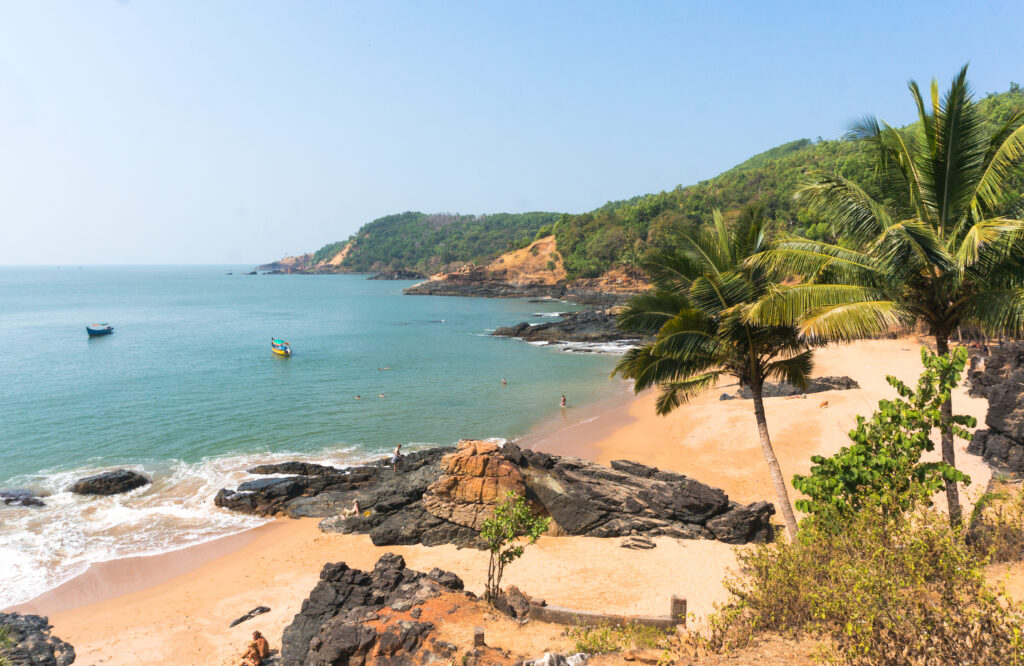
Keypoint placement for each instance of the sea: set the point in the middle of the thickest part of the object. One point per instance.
(187, 391)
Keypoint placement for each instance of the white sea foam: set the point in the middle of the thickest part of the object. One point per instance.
(42, 547)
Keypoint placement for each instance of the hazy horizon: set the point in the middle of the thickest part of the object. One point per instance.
(237, 133)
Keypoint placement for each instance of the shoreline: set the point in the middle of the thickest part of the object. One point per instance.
(106, 580)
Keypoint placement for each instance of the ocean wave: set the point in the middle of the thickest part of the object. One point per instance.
(42, 547)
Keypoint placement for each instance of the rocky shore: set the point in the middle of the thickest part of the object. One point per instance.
(592, 325)
(1001, 382)
(31, 643)
(441, 496)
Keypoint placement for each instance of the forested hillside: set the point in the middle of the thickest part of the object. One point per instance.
(430, 243)
(620, 232)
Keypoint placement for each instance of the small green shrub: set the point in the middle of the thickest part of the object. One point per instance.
(891, 587)
(512, 521)
(884, 459)
(608, 638)
(5, 642)
(551, 265)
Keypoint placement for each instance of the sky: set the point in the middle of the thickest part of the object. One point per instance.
(238, 132)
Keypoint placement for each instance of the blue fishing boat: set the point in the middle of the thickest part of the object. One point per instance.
(280, 347)
(99, 329)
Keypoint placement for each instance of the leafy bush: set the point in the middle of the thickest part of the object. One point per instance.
(891, 587)
(997, 524)
(512, 520)
(885, 457)
(608, 638)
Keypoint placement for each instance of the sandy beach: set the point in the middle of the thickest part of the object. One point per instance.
(134, 611)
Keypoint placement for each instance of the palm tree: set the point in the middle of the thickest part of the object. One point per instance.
(931, 241)
(696, 313)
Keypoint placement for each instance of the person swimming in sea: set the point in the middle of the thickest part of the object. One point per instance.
(563, 400)
(359, 397)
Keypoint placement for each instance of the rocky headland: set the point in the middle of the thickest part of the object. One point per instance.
(1001, 382)
(442, 495)
(31, 643)
(594, 325)
(400, 274)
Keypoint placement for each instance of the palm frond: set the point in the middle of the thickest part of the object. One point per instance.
(853, 321)
(1006, 149)
(647, 312)
(686, 336)
(793, 370)
(997, 312)
(996, 237)
(674, 394)
(786, 305)
(903, 242)
(845, 205)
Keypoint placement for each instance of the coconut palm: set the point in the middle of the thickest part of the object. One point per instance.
(931, 240)
(696, 314)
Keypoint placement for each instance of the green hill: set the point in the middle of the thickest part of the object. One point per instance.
(620, 232)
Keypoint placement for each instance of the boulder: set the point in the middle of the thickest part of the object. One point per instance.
(32, 644)
(783, 389)
(337, 623)
(110, 483)
(473, 480)
(18, 497)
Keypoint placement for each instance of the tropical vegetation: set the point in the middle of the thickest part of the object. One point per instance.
(506, 535)
(696, 317)
(934, 237)
(884, 457)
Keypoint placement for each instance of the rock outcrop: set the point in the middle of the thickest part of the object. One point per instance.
(32, 644)
(110, 483)
(18, 497)
(443, 496)
(583, 326)
(780, 390)
(1001, 382)
(357, 617)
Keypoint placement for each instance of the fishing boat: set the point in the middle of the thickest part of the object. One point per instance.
(280, 347)
(95, 330)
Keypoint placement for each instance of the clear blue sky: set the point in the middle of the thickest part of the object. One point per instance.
(238, 132)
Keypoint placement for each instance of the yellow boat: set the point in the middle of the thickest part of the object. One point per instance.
(280, 347)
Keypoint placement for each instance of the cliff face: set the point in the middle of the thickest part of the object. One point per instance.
(307, 263)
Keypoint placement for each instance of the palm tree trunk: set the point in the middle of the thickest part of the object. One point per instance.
(781, 494)
(948, 452)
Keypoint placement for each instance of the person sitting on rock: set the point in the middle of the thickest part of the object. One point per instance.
(252, 656)
(353, 510)
(261, 644)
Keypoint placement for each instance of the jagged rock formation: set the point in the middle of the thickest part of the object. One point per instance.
(443, 495)
(1002, 384)
(109, 483)
(582, 326)
(32, 644)
(816, 385)
(357, 617)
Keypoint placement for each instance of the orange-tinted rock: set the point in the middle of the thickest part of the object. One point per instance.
(474, 479)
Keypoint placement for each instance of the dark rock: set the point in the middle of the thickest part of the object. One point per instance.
(298, 468)
(583, 326)
(32, 644)
(259, 610)
(582, 498)
(781, 390)
(19, 497)
(400, 274)
(1001, 382)
(331, 629)
(109, 483)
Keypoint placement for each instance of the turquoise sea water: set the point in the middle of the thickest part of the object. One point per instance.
(187, 390)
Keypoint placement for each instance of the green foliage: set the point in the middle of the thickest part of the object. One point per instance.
(418, 241)
(328, 251)
(884, 459)
(5, 642)
(891, 587)
(512, 521)
(608, 638)
(551, 265)
(696, 317)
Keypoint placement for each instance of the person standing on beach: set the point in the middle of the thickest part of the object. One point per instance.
(396, 457)
(563, 400)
